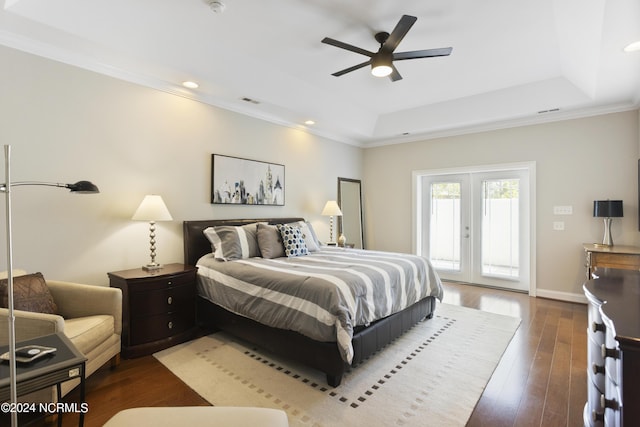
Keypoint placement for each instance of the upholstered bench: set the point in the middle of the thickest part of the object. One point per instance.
(198, 416)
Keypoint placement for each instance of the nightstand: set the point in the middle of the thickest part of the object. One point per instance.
(158, 307)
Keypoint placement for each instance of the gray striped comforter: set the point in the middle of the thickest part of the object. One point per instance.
(323, 295)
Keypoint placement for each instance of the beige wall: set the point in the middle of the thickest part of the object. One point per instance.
(65, 124)
(577, 161)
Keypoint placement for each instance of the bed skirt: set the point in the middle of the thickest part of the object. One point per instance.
(323, 356)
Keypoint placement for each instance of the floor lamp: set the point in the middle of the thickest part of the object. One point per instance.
(81, 187)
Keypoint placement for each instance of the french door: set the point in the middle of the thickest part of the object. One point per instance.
(474, 226)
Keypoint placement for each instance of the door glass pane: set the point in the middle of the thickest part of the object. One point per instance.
(444, 228)
(500, 228)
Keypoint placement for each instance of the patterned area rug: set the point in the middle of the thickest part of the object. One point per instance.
(431, 376)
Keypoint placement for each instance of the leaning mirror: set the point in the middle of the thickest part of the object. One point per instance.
(350, 202)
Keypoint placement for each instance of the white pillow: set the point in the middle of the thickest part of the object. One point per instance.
(308, 234)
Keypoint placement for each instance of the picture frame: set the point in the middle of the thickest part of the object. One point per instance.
(239, 181)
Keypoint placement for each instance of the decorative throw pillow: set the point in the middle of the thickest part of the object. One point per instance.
(294, 244)
(30, 293)
(233, 242)
(308, 234)
(270, 241)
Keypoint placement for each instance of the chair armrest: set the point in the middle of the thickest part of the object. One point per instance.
(29, 325)
(80, 300)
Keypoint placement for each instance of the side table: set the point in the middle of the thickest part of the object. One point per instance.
(66, 364)
(158, 307)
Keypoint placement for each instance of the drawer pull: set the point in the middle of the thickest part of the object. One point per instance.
(598, 369)
(608, 403)
(609, 352)
(170, 325)
(169, 300)
(597, 416)
(169, 283)
(595, 327)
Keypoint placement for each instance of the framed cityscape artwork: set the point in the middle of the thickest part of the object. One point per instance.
(240, 181)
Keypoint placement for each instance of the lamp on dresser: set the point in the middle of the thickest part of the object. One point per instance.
(607, 209)
(152, 209)
(80, 187)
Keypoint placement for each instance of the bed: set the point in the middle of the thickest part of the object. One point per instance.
(323, 308)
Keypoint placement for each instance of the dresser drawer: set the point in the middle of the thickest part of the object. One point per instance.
(157, 327)
(596, 325)
(596, 364)
(162, 301)
(594, 408)
(612, 363)
(615, 260)
(612, 409)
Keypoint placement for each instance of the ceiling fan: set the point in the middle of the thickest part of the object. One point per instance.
(382, 61)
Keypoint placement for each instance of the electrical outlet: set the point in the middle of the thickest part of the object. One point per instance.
(558, 225)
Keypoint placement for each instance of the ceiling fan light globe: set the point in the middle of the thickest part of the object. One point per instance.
(381, 70)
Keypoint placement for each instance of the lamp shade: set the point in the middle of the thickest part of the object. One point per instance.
(152, 208)
(331, 208)
(83, 187)
(607, 208)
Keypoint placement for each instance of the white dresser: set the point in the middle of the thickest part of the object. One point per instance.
(613, 352)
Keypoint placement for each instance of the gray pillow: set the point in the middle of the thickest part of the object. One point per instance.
(233, 242)
(270, 241)
(30, 293)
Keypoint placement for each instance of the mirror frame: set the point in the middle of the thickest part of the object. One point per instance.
(361, 219)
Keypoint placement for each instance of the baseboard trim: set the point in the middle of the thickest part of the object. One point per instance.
(562, 296)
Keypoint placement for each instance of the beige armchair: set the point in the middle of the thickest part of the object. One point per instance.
(90, 316)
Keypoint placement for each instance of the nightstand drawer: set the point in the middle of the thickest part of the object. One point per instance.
(164, 282)
(153, 328)
(162, 301)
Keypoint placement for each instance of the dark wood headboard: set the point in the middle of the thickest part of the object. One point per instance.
(196, 243)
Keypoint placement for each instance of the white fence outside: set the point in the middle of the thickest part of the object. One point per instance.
(500, 236)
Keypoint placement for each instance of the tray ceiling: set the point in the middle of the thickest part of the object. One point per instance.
(513, 62)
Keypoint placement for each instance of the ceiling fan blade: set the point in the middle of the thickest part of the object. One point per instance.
(350, 69)
(346, 46)
(427, 53)
(395, 75)
(398, 33)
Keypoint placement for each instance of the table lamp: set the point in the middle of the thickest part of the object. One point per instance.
(152, 209)
(81, 187)
(331, 209)
(607, 209)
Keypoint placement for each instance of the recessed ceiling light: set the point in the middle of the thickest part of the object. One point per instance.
(190, 85)
(309, 122)
(633, 47)
(216, 5)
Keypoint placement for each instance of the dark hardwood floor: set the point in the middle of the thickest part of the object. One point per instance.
(540, 381)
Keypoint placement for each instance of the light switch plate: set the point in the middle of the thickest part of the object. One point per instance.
(563, 210)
